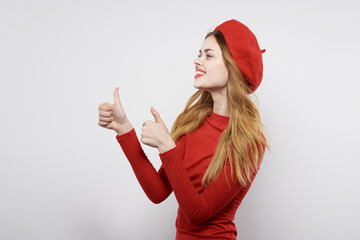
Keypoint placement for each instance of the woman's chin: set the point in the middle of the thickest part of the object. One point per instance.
(199, 87)
(197, 84)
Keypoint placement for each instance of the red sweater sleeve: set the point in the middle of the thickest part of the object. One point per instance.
(154, 183)
(199, 206)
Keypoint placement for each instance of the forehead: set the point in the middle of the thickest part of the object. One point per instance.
(210, 42)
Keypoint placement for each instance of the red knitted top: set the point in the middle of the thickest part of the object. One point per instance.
(203, 213)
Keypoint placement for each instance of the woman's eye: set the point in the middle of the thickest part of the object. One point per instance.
(206, 55)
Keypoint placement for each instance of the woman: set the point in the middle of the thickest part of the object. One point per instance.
(212, 138)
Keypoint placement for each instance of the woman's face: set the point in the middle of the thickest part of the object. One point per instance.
(211, 62)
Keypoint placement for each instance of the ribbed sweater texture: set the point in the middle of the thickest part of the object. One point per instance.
(203, 213)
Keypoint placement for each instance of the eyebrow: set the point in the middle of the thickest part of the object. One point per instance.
(206, 50)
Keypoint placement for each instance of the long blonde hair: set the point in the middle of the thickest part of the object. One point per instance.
(244, 130)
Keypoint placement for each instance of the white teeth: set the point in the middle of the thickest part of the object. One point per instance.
(197, 72)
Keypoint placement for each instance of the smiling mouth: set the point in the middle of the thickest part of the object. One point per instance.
(199, 74)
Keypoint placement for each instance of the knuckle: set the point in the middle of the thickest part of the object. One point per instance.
(102, 106)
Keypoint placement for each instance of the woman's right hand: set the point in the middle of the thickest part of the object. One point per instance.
(112, 116)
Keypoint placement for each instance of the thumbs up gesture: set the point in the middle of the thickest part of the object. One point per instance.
(156, 134)
(112, 116)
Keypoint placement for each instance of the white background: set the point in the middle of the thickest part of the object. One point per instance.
(62, 176)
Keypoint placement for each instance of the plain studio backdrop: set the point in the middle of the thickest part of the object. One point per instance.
(62, 176)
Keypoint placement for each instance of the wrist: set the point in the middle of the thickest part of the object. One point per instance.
(124, 127)
(167, 146)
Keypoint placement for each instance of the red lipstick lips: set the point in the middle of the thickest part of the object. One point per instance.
(199, 70)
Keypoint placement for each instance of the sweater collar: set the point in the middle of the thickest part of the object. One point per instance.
(218, 121)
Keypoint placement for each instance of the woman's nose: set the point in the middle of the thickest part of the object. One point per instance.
(197, 61)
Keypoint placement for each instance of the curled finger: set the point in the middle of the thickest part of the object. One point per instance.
(106, 119)
(105, 114)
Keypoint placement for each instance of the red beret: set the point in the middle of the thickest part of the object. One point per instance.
(245, 50)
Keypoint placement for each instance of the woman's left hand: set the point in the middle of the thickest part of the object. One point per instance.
(156, 134)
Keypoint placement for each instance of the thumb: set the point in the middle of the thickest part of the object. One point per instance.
(116, 96)
(156, 116)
